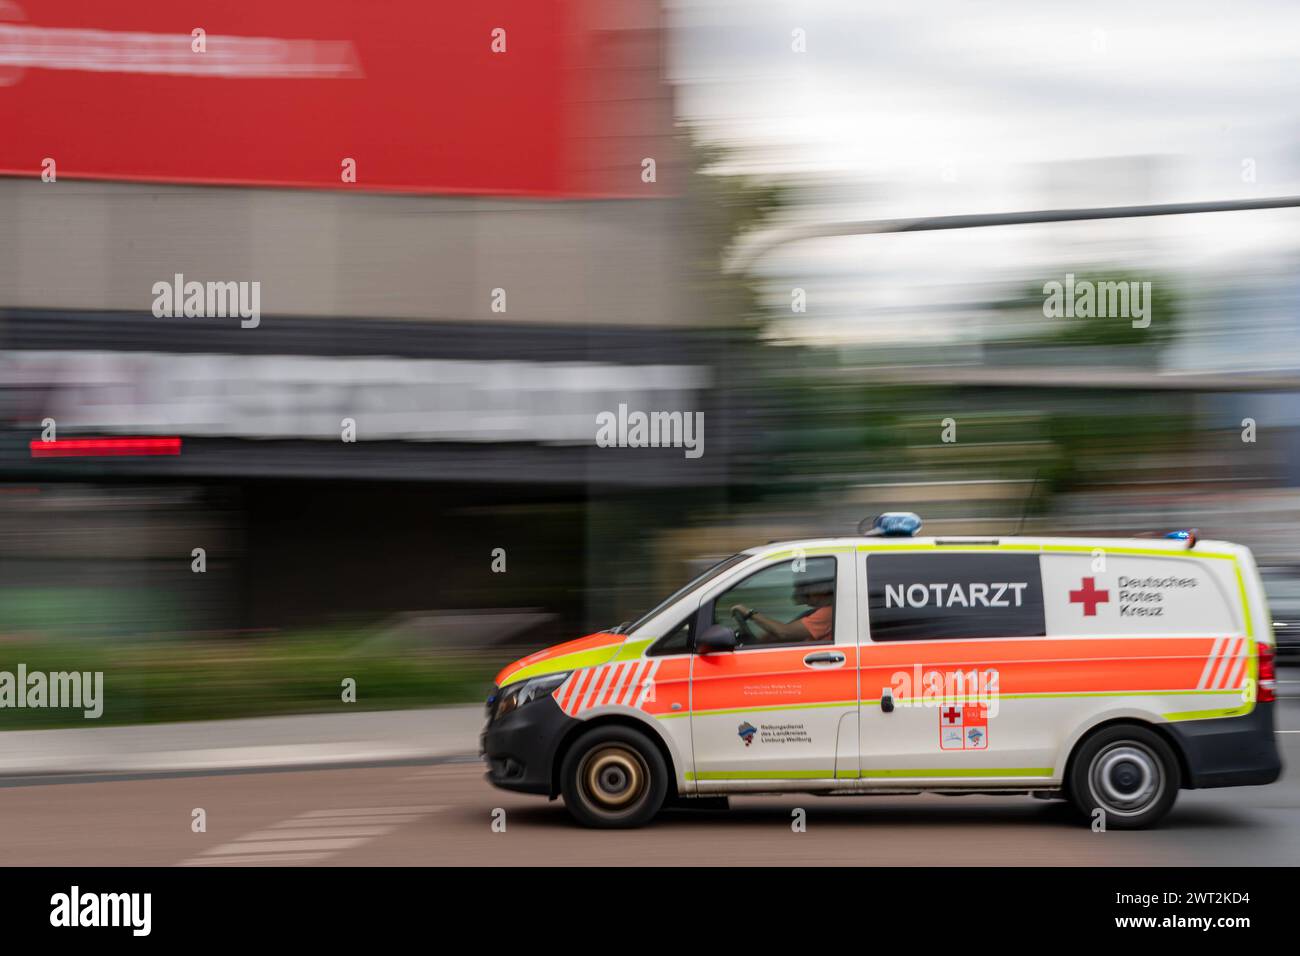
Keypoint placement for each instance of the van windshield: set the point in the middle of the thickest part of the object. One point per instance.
(723, 565)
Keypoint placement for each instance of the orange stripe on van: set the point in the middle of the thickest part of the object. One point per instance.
(1054, 665)
(1041, 649)
(671, 685)
(773, 678)
(778, 677)
(588, 643)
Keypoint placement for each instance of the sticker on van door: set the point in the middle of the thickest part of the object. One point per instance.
(783, 733)
(964, 727)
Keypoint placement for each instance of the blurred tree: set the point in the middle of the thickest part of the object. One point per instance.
(719, 208)
(821, 432)
(1098, 433)
(1162, 308)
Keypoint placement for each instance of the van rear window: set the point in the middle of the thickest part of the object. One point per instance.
(915, 597)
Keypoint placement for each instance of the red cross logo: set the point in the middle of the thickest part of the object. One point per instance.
(951, 715)
(1089, 597)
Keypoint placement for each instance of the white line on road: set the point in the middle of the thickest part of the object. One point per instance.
(279, 846)
(344, 821)
(303, 834)
(263, 859)
(311, 836)
(368, 811)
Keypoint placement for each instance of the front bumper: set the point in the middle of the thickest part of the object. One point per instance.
(1230, 751)
(520, 748)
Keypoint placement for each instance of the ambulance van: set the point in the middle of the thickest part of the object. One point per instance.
(1111, 672)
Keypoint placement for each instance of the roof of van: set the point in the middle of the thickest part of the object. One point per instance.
(1158, 545)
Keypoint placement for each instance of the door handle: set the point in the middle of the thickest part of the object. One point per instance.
(825, 657)
(887, 701)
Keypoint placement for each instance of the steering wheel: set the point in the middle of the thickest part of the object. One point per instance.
(743, 629)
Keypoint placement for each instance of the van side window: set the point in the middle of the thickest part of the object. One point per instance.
(676, 641)
(933, 596)
(789, 603)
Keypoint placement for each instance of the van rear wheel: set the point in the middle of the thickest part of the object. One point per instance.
(613, 777)
(1127, 772)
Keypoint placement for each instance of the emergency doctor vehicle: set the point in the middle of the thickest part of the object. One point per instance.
(1112, 672)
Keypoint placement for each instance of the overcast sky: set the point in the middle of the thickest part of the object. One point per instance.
(899, 109)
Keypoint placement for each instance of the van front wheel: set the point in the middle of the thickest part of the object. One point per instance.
(613, 777)
(1126, 772)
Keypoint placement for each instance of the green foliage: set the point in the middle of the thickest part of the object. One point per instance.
(1163, 308)
(149, 681)
(85, 611)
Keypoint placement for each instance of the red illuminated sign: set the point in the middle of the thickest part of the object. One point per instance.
(105, 447)
(432, 97)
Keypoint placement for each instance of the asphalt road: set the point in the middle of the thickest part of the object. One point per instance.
(442, 813)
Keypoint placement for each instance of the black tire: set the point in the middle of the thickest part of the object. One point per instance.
(613, 777)
(1128, 772)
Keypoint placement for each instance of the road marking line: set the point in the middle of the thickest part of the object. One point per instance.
(265, 859)
(302, 834)
(276, 846)
(312, 835)
(367, 811)
(344, 822)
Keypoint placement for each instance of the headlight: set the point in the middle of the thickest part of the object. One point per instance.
(525, 692)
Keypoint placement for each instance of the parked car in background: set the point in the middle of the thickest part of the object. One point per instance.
(1282, 585)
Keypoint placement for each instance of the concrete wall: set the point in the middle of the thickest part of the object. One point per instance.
(85, 245)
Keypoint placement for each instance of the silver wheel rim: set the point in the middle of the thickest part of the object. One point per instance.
(613, 778)
(1126, 778)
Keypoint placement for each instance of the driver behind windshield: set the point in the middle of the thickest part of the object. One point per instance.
(813, 626)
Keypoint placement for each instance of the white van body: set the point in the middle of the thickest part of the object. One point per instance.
(955, 665)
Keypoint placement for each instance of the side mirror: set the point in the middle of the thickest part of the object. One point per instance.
(715, 639)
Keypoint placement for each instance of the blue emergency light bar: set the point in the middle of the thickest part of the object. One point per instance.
(1186, 535)
(891, 524)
